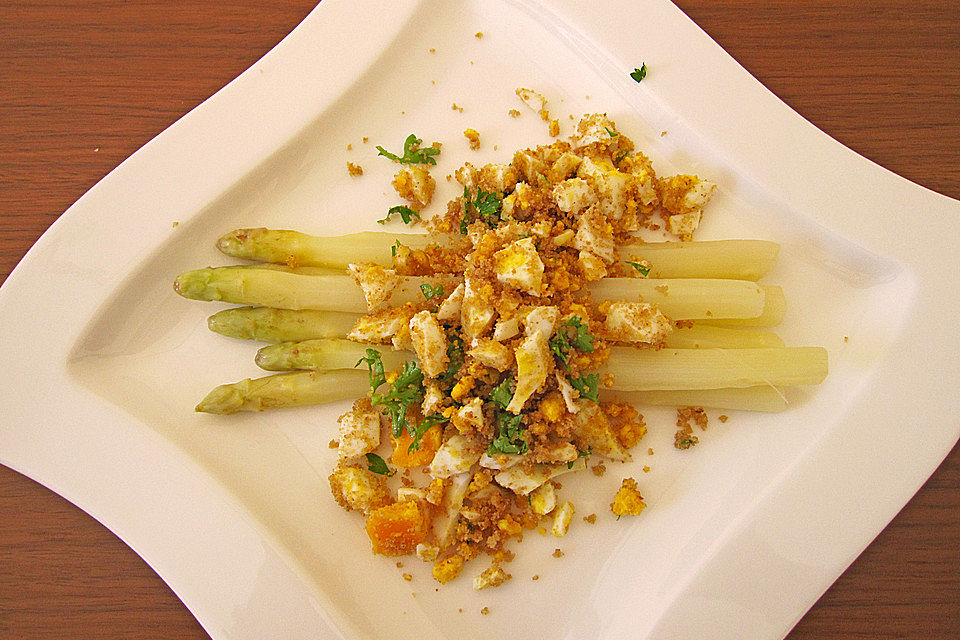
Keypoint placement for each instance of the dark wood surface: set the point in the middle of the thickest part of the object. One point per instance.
(85, 83)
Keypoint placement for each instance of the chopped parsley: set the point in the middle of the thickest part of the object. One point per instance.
(429, 291)
(509, 428)
(588, 386)
(571, 334)
(404, 392)
(639, 266)
(406, 215)
(502, 395)
(623, 154)
(484, 205)
(412, 153)
(375, 366)
(613, 134)
(639, 74)
(509, 435)
(376, 464)
(455, 354)
(422, 428)
(393, 249)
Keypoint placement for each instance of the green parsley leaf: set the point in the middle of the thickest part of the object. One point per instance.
(502, 395)
(406, 215)
(639, 266)
(393, 249)
(613, 134)
(623, 154)
(484, 205)
(588, 386)
(455, 354)
(405, 391)
(376, 464)
(639, 74)
(375, 367)
(429, 291)
(509, 435)
(422, 428)
(412, 153)
(571, 334)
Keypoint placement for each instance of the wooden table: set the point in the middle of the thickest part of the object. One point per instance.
(83, 84)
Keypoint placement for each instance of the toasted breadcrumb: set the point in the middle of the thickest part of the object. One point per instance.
(684, 438)
(557, 553)
(354, 169)
(473, 137)
(446, 570)
(527, 237)
(478, 34)
(628, 500)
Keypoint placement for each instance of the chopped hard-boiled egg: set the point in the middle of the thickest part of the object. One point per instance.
(562, 516)
(430, 343)
(519, 265)
(416, 185)
(358, 489)
(456, 455)
(376, 283)
(359, 432)
(638, 322)
(533, 365)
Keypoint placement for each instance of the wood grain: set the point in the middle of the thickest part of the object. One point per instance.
(84, 83)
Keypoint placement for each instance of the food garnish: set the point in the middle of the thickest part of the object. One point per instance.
(509, 344)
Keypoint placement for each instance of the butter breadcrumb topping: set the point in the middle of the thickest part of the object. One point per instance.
(501, 400)
(628, 501)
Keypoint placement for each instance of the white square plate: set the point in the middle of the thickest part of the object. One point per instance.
(742, 535)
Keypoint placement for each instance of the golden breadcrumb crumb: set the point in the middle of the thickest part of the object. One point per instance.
(627, 501)
(684, 438)
(473, 137)
(446, 570)
(354, 169)
(557, 553)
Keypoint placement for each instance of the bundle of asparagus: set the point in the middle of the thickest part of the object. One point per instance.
(724, 358)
